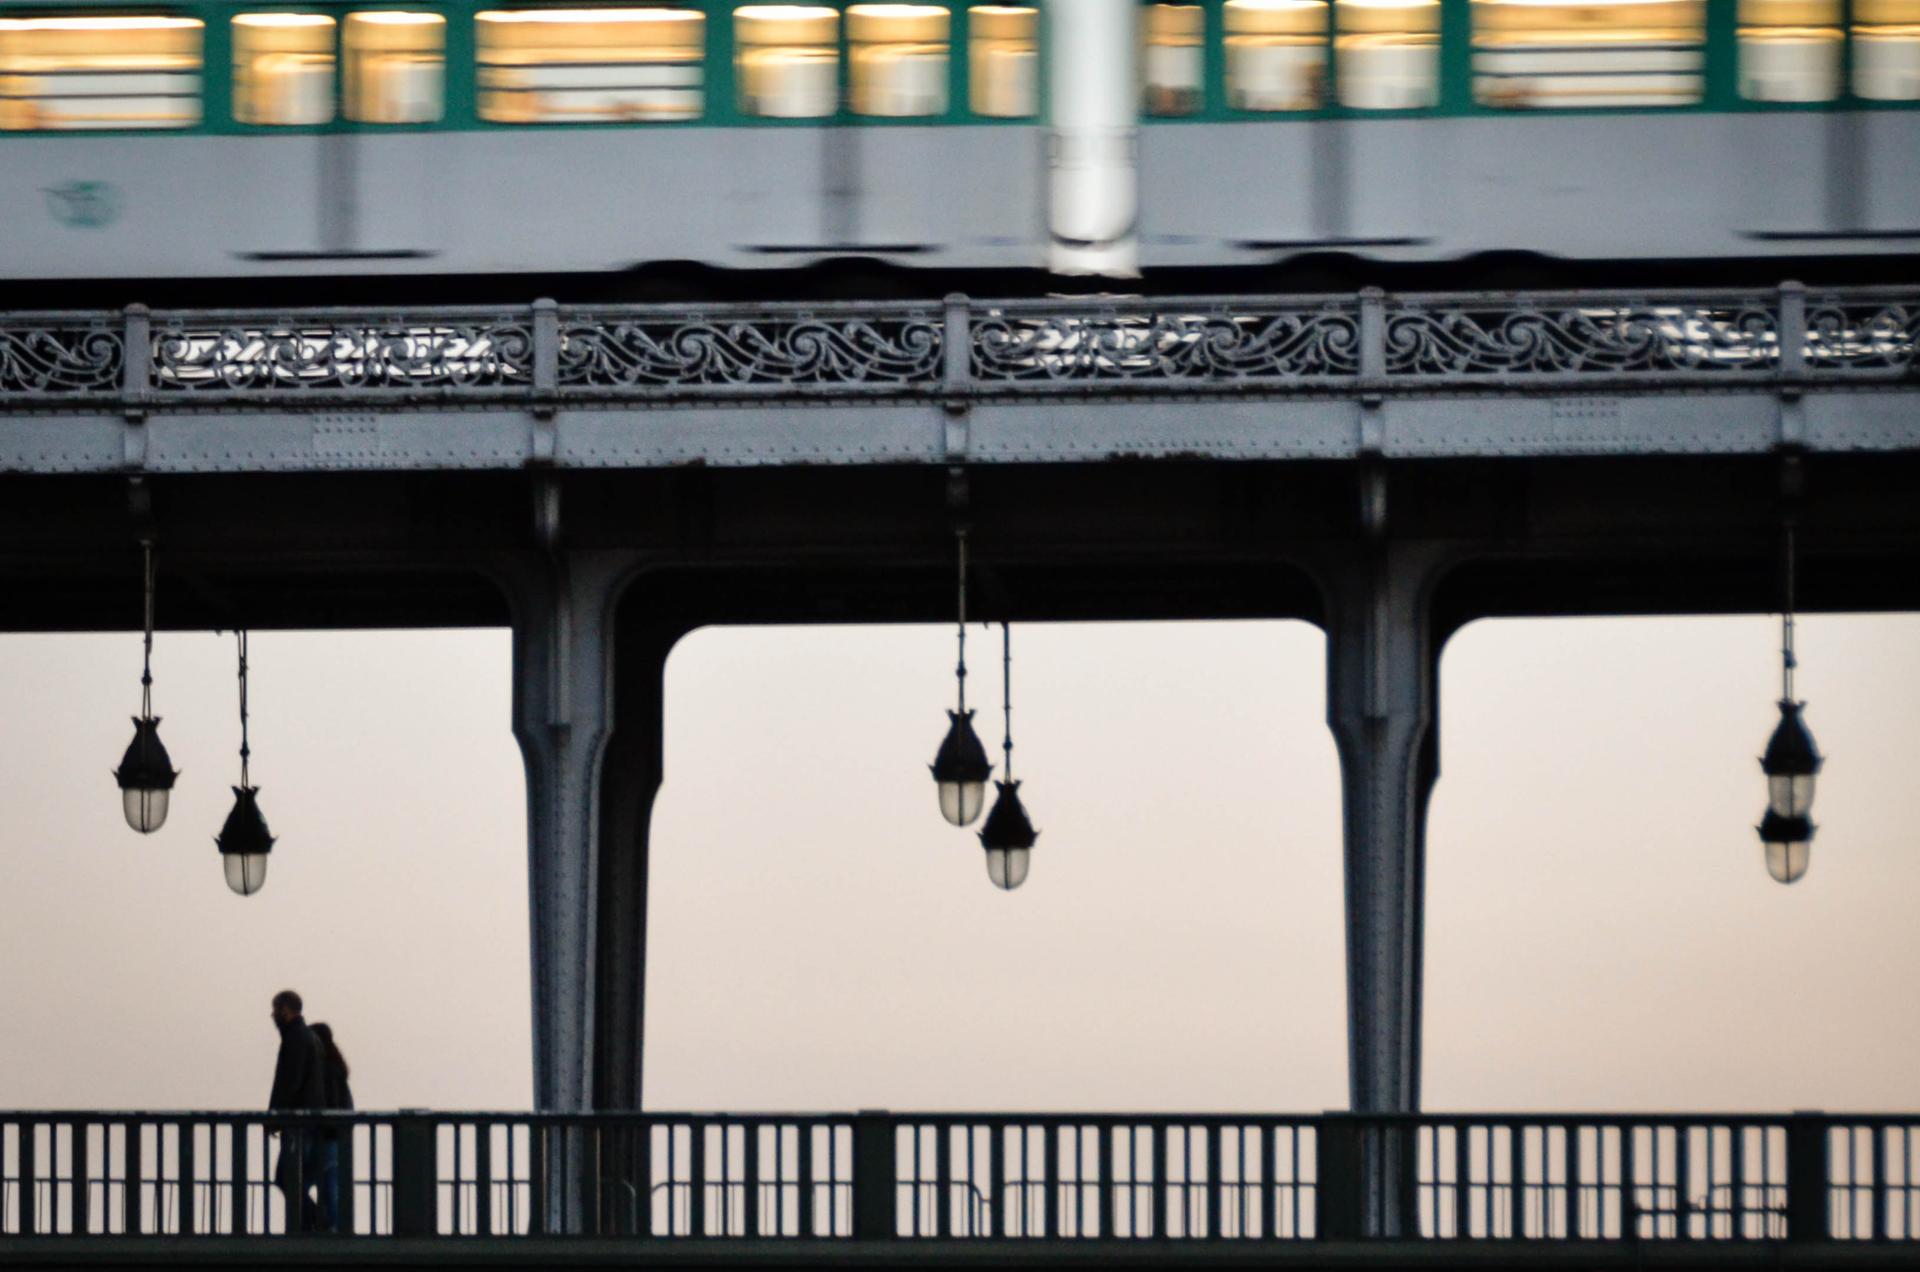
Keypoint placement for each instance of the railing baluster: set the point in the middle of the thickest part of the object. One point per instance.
(807, 1223)
(1462, 1181)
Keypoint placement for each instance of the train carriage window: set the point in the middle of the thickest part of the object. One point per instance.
(1389, 53)
(1276, 54)
(590, 65)
(1175, 58)
(1790, 50)
(1537, 53)
(787, 60)
(395, 66)
(1886, 50)
(1003, 61)
(283, 68)
(897, 59)
(73, 72)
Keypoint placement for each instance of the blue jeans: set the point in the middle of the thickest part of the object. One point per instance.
(328, 1177)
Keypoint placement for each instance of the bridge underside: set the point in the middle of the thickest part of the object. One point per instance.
(1055, 542)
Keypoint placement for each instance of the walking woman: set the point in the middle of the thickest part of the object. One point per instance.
(339, 1099)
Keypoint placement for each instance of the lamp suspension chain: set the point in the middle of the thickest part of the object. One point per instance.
(245, 750)
(146, 652)
(1787, 659)
(960, 670)
(1006, 697)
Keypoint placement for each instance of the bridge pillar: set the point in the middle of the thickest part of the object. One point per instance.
(562, 714)
(1381, 664)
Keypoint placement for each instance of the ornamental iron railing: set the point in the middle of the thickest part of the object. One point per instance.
(1026, 1177)
(546, 355)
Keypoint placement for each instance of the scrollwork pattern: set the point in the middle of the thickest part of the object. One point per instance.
(1289, 345)
(401, 355)
(1480, 340)
(1863, 337)
(56, 359)
(766, 352)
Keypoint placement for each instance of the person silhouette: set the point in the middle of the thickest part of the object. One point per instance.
(299, 1086)
(339, 1099)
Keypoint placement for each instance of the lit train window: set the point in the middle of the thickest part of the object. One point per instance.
(897, 59)
(1790, 50)
(1175, 60)
(396, 64)
(1535, 53)
(283, 68)
(1886, 50)
(1276, 54)
(1003, 61)
(1389, 53)
(788, 60)
(586, 65)
(131, 71)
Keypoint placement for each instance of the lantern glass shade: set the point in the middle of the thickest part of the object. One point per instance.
(1786, 862)
(146, 810)
(1790, 794)
(244, 843)
(1008, 836)
(246, 871)
(1007, 867)
(961, 770)
(960, 802)
(145, 777)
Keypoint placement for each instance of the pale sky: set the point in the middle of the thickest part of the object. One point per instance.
(1601, 932)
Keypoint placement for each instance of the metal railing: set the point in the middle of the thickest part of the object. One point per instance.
(544, 355)
(880, 1176)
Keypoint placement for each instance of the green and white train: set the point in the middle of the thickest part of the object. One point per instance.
(187, 139)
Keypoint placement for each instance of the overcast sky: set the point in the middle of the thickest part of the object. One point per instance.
(1601, 931)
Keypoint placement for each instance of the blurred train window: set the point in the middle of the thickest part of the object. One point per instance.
(1886, 50)
(1175, 64)
(1003, 61)
(787, 60)
(127, 71)
(1790, 50)
(396, 65)
(283, 68)
(1389, 53)
(897, 59)
(1276, 54)
(1530, 54)
(546, 66)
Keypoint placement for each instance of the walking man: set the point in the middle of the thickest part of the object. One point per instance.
(299, 1086)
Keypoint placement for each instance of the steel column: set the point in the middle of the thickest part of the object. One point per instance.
(562, 716)
(1380, 704)
(630, 778)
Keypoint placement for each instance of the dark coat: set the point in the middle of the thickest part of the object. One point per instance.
(300, 1074)
(339, 1094)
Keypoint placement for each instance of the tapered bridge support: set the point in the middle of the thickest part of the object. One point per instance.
(1381, 659)
(587, 673)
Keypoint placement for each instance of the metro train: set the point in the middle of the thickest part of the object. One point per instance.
(275, 139)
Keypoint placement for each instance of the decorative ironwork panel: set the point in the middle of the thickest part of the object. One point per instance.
(1211, 344)
(57, 357)
(1863, 335)
(767, 350)
(317, 354)
(1583, 336)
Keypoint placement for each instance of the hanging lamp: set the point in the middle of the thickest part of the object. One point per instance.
(146, 775)
(244, 841)
(1008, 835)
(1791, 760)
(960, 767)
